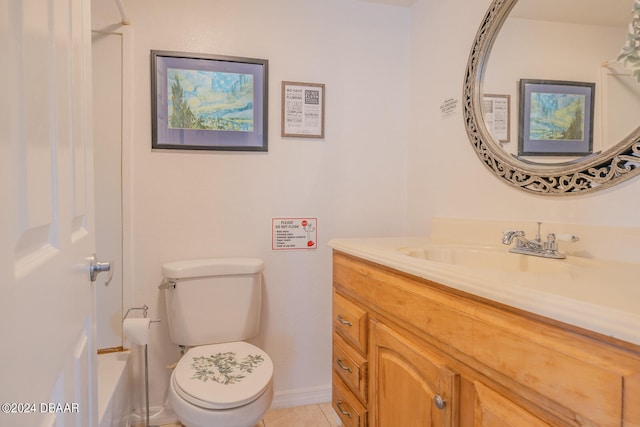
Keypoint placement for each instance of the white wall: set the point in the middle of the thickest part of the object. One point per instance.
(107, 149)
(207, 204)
(445, 176)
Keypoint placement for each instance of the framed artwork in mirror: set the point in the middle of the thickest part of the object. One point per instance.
(556, 118)
(208, 102)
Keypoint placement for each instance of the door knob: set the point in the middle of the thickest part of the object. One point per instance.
(96, 267)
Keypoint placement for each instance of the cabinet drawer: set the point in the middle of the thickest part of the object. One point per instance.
(350, 322)
(351, 367)
(351, 412)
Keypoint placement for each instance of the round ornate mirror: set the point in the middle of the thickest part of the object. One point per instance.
(547, 106)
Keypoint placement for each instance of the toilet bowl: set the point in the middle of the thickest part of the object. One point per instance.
(226, 385)
(213, 305)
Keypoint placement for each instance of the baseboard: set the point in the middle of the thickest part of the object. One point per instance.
(301, 396)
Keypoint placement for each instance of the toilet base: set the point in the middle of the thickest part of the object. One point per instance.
(243, 416)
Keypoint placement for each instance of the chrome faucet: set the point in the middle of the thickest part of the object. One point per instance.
(535, 247)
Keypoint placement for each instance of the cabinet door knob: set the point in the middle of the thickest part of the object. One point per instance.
(439, 401)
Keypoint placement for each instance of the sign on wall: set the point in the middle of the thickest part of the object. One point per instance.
(294, 233)
(302, 110)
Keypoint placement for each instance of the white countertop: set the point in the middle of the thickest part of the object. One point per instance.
(602, 296)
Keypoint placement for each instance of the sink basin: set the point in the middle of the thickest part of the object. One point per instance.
(487, 258)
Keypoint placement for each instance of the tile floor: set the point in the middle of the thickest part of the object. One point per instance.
(321, 415)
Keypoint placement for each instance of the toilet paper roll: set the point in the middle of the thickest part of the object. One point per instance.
(137, 330)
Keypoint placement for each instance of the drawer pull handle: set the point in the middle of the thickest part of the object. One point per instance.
(342, 411)
(439, 402)
(344, 368)
(344, 322)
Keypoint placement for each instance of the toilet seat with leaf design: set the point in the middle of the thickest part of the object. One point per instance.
(222, 376)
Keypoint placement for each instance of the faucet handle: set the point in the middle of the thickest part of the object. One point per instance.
(567, 237)
(551, 244)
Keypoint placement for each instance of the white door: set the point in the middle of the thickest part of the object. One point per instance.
(47, 326)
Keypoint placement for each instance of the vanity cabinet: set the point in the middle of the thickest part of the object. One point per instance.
(411, 352)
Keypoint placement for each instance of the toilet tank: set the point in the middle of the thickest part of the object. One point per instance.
(213, 300)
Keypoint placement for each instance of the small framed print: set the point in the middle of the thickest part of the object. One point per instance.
(556, 118)
(208, 102)
(496, 110)
(302, 110)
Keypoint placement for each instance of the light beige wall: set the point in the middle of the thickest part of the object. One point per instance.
(445, 176)
(208, 204)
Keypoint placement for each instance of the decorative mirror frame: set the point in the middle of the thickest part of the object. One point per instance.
(589, 174)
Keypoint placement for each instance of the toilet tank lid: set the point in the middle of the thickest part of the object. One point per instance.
(211, 267)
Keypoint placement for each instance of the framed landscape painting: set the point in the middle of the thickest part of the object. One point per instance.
(556, 118)
(208, 102)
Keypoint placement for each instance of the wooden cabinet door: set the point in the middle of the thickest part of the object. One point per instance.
(494, 410)
(405, 381)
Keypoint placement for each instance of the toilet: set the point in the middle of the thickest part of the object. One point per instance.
(213, 305)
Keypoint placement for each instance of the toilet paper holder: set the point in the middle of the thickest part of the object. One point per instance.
(144, 308)
(145, 313)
